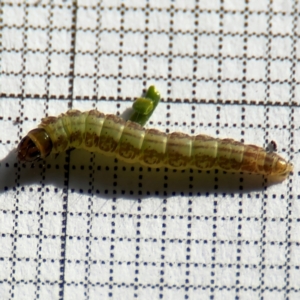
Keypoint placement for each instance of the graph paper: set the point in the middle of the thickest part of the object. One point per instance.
(84, 226)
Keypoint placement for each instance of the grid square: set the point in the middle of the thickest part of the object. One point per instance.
(174, 252)
(202, 229)
(256, 69)
(124, 273)
(209, 4)
(275, 231)
(279, 92)
(234, 5)
(134, 43)
(7, 247)
(158, 43)
(282, 24)
(280, 70)
(181, 89)
(183, 44)
(256, 47)
(233, 46)
(225, 276)
(226, 253)
(11, 62)
(250, 253)
(132, 66)
(75, 271)
(35, 85)
(60, 63)
(275, 254)
(50, 270)
(59, 86)
(158, 20)
(157, 67)
(109, 42)
(12, 39)
(149, 273)
(99, 272)
(187, 4)
(88, 19)
(184, 21)
(111, 19)
(255, 91)
(74, 292)
(25, 270)
(100, 249)
(125, 250)
(49, 292)
(295, 254)
(250, 277)
(207, 68)
(227, 229)
(233, 23)
(209, 22)
(134, 20)
(257, 23)
(26, 247)
(182, 68)
(13, 15)
(207, 45)
(78, 225)
(38, 39)
(62, 40)
(5, 266)
(274, 278)
(36, 63)
(257, 6)
(85, 65)
(28, 224)
(51, 248)
(24, 290)
(150, 251)
(38, 17)
(232, 69)
(295, 230)
(231, 90)
(76, 248)
(62, 17)
(251, 230)
(294, 278)
(281, 47)
(86, 41)
(84, 87)
(201, 252)
(109, 65)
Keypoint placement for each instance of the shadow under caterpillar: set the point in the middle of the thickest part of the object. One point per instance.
(130, 142)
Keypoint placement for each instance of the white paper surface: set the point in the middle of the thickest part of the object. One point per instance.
(83, 226)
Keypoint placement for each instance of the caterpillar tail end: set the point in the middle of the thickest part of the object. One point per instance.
(282, 170)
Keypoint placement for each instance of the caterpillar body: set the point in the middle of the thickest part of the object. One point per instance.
(130, 142)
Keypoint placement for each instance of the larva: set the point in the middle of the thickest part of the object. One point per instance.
(130, 142)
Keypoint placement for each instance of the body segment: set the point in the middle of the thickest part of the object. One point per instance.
(111, 135)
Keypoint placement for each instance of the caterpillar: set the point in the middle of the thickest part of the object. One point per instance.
(130, 142)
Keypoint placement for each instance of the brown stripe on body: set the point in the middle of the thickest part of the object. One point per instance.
(230, 154)
(179, 149)
(153, 148)
(93, 127)
(204, 152)
(110, 134)
(131, 141)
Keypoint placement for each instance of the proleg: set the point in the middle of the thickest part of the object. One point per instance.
(130, 142)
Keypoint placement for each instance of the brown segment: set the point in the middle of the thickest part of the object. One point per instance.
(204, 152)
(131, 141)
(153, 148)
(179, 148)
